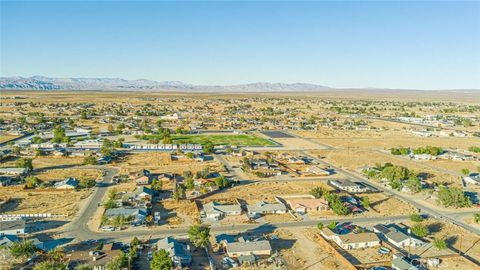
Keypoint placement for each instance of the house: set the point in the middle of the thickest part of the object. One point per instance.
(397, 237)
(352, 240)
(262, 208)
(140, 196)
(401, 262)
(178, 252)
(257, 248)
(317, 171)
(97, 259)
(13, 227)
(138, 215)
(349, 186)
(401, 239)
(142, 178)
(217, 211)
(305, 205)
(69, 183)
(5, 180)
(473, 178)
(14, 171)
(8, 239)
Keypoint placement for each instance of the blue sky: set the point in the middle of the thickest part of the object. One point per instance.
(419, 45)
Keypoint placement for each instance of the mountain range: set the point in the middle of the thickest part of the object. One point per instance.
(49, 83)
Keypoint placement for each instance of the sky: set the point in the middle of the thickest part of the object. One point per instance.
(382, 44)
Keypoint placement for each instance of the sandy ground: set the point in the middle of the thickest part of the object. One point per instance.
(266, 191)
(46, 162)
(455, 237)
(161, 163)
(4, 138)
(31, 202)
(355, 159)
(306, 253)
(62, 174)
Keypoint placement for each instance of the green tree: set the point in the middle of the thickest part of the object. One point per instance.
(439, 243)
(199, 235)
(22, 249)
(49, 265)
(25, 163)
(419, 230)
(332, 225)
(156, 185)
(476, 217)
(366, 202)
(317, 192)
(32, 181)
(320, 225)
(189, 183)
(134, 242)
(416, 218)
(58, 134)
(161, 261)
(465, 171)
(208, 147)
(84, 267)
(118, 262)
(110, 204)
(453, 197)
(91, 160)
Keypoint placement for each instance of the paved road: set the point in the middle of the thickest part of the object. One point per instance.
(78, 228)
(423, 207)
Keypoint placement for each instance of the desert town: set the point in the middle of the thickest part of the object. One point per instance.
(193, 181)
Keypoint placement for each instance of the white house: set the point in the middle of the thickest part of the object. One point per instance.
(352, 240)
(262, 208)
(69, 183)
(12, 227)
(217, 211)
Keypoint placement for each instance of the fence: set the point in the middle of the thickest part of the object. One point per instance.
(325, 244)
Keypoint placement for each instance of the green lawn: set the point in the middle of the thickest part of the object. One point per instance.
(230, 139)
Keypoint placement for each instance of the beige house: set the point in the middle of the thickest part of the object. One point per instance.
(308, 204)
(257, 248)
(352, 240)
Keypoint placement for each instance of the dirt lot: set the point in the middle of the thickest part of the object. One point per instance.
(161, 163)
(455, 237)
(31, 202)
(181, 213)
(4, 138)
(306, 253)
(47, 162)
(61, 174)
(355, 159)
(266, 191)
(384, 205)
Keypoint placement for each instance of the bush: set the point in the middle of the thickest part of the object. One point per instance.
(419, 230)
(416, 218)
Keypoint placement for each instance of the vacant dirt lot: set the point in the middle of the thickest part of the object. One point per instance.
(266, 191)
(62, 174)
(161, 163)
(53, 202)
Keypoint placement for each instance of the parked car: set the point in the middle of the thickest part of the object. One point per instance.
(108, 228)
(383, 250)
(229, 261)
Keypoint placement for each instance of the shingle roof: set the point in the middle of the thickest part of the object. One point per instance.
(249, 246)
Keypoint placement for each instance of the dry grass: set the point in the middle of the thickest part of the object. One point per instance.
(31, 202)
(61, 174)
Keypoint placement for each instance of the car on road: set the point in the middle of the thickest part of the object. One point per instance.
(108, 228)
(150, 255)
(383, 250)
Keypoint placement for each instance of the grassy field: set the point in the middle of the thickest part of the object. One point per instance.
(236, 139)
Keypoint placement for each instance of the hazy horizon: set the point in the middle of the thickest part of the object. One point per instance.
(387, 45)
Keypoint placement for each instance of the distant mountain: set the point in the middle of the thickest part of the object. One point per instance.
(47, 83)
